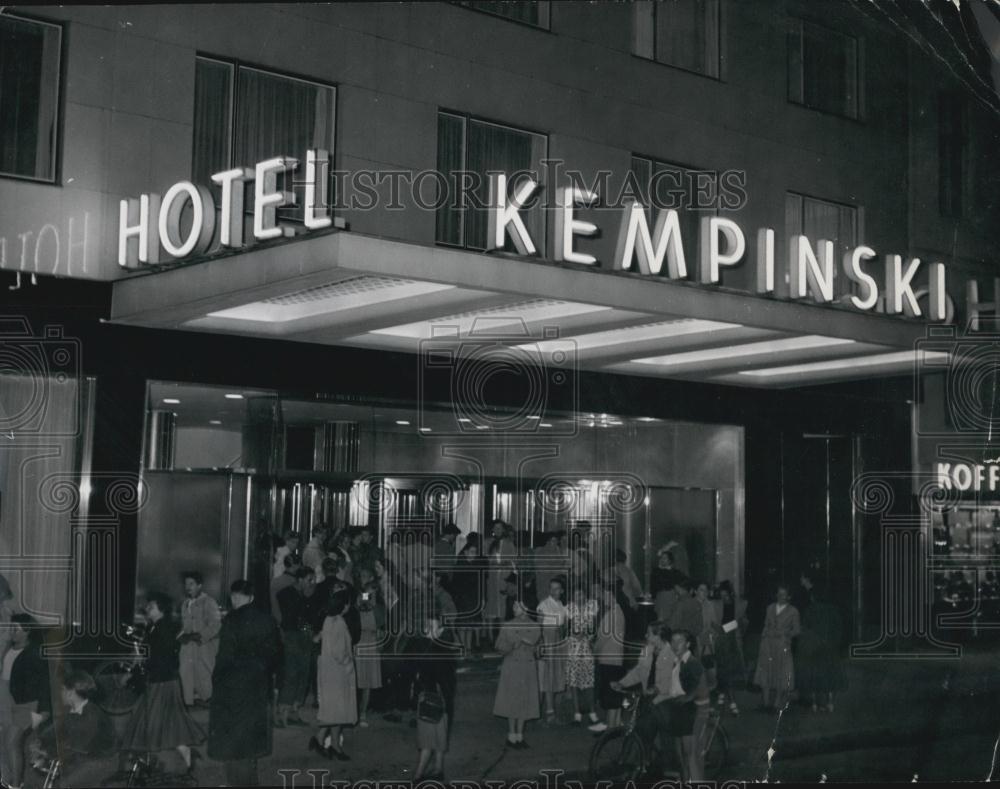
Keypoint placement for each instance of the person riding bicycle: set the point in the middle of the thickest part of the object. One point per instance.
(81, 736)
(653, 673)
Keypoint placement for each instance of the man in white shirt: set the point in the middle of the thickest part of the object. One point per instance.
(552, 666)
(653, 672)
(200, 620)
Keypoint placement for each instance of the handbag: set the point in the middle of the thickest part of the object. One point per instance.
(430, 707)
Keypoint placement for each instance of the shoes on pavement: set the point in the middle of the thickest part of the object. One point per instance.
(363, 723)
(597, 728)
(733, 708)
(594, 718)
(577, 718)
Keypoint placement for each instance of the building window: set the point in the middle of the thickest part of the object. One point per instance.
(822, 219)
(535, 12)
(692, 193)
(468, 151)
(681, 33)
(823, 71)
(952, 124)
(244, 115)
(29, 97)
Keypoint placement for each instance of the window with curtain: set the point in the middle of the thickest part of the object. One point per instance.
(29, 97)
(823, 71)
(244, 115)
(952, 124)
(822, 219)
(530, 12)
(38, 466)
(692, 193)
(468, 151)
(681, 33)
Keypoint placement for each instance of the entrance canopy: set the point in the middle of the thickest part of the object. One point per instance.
(344, 288)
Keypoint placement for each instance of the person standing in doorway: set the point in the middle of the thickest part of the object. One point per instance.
(444, 550)
(730, 665)
(239, 723)
(368, 655)
(199, 638)
(467, 589)
(434, 680)
(552, 665)
(581, 614)
(775, 672)
(551, 561)
(819, 671)
(315, 551)
(500, 555)
(687, 613)
(26, 680)
(663, 583)
(290, 548)
(609, 651)
(689, 706)
(161, 722)
(517, 693)
(296, 636)
(337, 681)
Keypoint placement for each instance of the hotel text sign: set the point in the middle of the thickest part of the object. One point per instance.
(150, 223)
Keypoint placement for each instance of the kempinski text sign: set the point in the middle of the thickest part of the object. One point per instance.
(151, 223)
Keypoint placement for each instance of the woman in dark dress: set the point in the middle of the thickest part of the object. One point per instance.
(161, 722)
(435, 673)
(819, 669)
(467, 591)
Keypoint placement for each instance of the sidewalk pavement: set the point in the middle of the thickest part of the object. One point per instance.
(886, 703)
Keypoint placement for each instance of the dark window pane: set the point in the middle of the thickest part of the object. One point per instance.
(823, 69)
(451, 155)
(29, 91)
(692, 193)
(951, 152)
(280, 116)
(687, 35)
(212, 113)
(492, 148)
(527, 12)
(824, 220)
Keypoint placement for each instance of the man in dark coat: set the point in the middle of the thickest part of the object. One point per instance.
(239, 724)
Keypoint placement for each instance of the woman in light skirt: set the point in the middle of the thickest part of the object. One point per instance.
(775, 669)
(336, 680)
(517, 693)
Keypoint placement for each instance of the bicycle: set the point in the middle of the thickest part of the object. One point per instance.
(621, 755)
(121, 681)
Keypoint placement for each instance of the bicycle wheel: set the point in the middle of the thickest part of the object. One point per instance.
(118, 693)
(716, 751)
(617, 756)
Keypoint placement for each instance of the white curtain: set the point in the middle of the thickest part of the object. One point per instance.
(39, 419)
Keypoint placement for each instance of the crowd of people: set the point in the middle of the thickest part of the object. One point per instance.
(347, 627)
